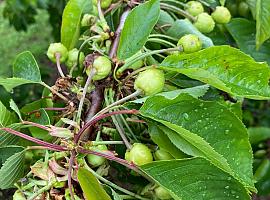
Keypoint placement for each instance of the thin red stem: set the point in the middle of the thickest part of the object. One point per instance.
(36, 125)
(100, 117)
(70, 166)
(51, 109)
(35, 140)
(121, 161)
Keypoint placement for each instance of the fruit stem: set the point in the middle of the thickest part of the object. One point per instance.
(136, 72)
(60, 71)
(95, 143)
(163, 36)
(144, 55)
(161, 41)
(40, 191)
(50, 109)
(112, 184)
(121, 101)
(115, 43)
(54, 147)
(177, 10)
(55, 92)
(87, 84)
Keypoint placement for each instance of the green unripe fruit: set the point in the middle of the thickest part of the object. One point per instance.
(221, 15)
(57, 48)
(190, 43)
(139, 154)
(162, 193)
(243, 9)
(104, 3)
(233, 8)
(88, 20)
(194, 8)
(94, 160)
(162, 155)
(204, 23)
(72, 58)
(150, 81)
(102, 66)
(18, 195)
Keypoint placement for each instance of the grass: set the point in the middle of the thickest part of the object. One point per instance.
(36, 39)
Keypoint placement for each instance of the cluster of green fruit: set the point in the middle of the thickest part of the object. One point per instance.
(204, 22)
(238, 8)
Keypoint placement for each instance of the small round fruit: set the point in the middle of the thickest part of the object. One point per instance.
(57, 48)
(18, 195)
(162, 193)
(72, 58)
(194, 8)
(103, 67)
(190, 43)
(140, 154)
(204, 23)
(221, 15)
(104, 3)
(88, 20)
(94, 160)
(162, 155)
(243, 9)
(233, 8)
(150, 81)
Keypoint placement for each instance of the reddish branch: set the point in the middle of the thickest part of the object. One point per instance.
(118, 33)
(50, 146)
(98, 118)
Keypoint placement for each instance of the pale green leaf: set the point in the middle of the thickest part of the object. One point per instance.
(195, 178)
(91, 187)
(225, 68)
(204, 128)
(137, 28)
(71, 21)
(15, 108)
(6, 117)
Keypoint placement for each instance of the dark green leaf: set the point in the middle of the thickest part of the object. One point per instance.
(8, 151)
(10, 83)
(9, 139)
(91, 187)
(258, 134)
(243, 31)
(225, 68)
(6, 117)
(12, 170)
(71, 21)
(137, 28)
(195, 178)
(262, 21)
(204, 128)
(182, 27)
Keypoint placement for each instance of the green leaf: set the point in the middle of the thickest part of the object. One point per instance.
(225, 68)
(162, 140)
(43, 119)
(243, 31)
(71, 21)
(8, 151)
(10, 139)
(182, 27)
(252, 7)
(6, 117)
(26, 67)
(91, 187)
(196, 92)
(12, 170)
(10, 83)
(204, 128)
(14, 107)
(258, 134)
(36, 105)
(137, 28)
(195, 178)
(262, 22)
